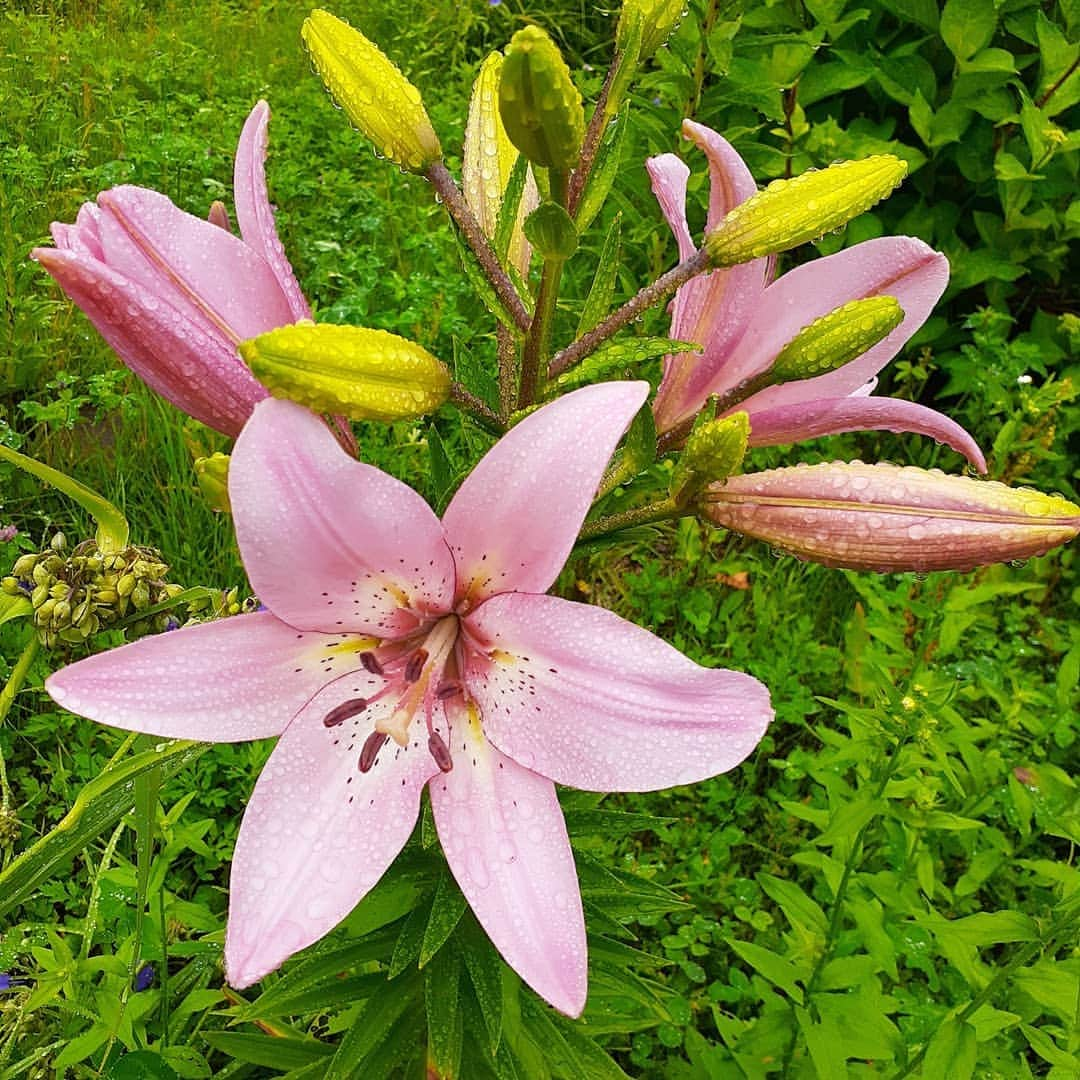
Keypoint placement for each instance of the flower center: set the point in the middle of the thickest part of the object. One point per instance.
(417, 675)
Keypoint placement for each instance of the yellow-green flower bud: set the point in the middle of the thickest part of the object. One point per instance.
(39, 595)
(714, 451)
(43, 611)
(350, 370)
(837, 338)
(140, 595)
(376, 97)
(59, 590)
(126, 585)
(61, 614)
(24, 566)
(41, 574)
(550, 229)
(212, 474)
(791, 212)
(10, 585)
(657, 18)
(540, 106)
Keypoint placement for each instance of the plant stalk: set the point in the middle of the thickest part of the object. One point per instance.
(7, 698)
(458, 208)
(593, 134)
(479, 410)
(652, 294)
(628, 519)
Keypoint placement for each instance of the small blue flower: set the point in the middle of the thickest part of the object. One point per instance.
(144, 978)
(10, 982)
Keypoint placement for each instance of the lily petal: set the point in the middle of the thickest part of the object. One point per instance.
(201, 268)
(330, 543)
(898, 266)
(505, 839)
(730, 180)
(226, 681)
(584, 697)
(513, 521)
(184, 359)
(317, 833)
(891, 518)
(831, 416)
(255, 215)
(668, 174)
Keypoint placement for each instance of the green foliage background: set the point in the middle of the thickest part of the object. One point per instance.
(881, 890)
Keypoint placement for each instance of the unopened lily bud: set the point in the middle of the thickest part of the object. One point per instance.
(837, 338)
(219, 216)
(891, 518)
(350, 370)
(375, 95)
(539, 103)
(657, 18)
(791, 212)
(550, 229)
(212, 474)
(714, 450)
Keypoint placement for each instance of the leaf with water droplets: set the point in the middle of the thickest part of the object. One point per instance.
(485, 970)
(603, 173)
(442, 983)
(598, 302)
(410, 940)
(616, 356)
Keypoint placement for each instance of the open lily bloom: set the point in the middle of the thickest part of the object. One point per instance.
(742, 319)
(399, 651)
(174, 295)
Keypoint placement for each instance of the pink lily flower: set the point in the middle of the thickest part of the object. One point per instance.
(742, 319)
(174, 295)
(400, 651)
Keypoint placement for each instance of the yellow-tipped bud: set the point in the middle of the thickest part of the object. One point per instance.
(657, 18)
(837, 338)
(376, 97)
(539, 104)
(351, 370)
(714, 451)
(212, 474)
(791, 212)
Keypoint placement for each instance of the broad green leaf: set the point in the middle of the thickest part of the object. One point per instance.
(80, 1048)
(141, 1065)
(800, 909)
(446, 910)
(112, 534)
(570, 1052)
(952, 1052)
(14, 607)
(825, 1043)
(967, 26)
(777, 969)
(922, 12)
(97, 808)
(612, 824)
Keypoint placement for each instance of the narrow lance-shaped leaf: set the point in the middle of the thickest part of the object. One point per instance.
(112, 534)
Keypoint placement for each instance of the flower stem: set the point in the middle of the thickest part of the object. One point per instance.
(508, 371)
(536, 343)
(652, 294)
(664, 510)
(594, 133)
(458, 208)
(479, 410)
(7, 697)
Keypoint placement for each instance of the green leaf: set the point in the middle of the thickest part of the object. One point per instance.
(141, 1065)
(112, 533)
(618, 355)
(485, 290)
(97, 808)
(508, 209)
(922, 12)
(952, 1052)
(81, 1047)
(825, 1043)
(446, 910)
(777, 969)
(572, 1053)
(485, 973)
(598, 302)
(967, 26)
(410, 940)
(442, 982)
(603, 174)
(273, 1052)
(800, 910)
(14, 607)
(372, 1026)
(612, 824)
(147, 785)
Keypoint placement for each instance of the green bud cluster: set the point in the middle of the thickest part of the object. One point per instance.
(10, 828)
(656, 18)
(76, 594)
(714, 451)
